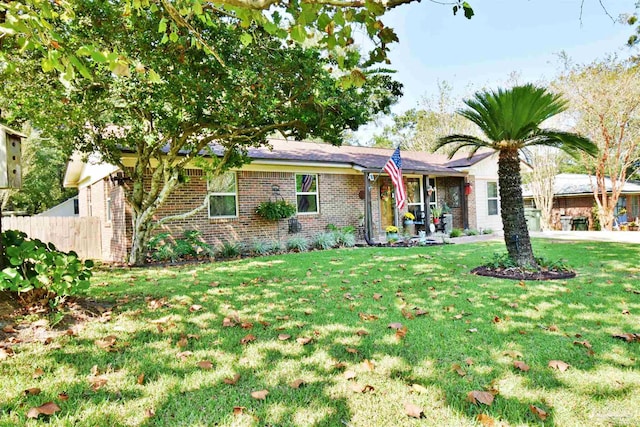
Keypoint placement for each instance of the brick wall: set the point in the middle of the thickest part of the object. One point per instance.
(339, 204)
(571, 206)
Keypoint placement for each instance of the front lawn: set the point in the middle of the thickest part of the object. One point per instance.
(369, 332)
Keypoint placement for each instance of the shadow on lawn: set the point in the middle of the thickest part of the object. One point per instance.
(324, 297)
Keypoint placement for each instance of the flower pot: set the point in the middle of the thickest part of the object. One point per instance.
(408, 222)
(392, 236)
(436, 220)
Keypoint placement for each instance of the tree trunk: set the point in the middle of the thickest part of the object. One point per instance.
(141, 235)
(516, 234)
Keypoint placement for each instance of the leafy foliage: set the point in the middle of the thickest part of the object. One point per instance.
(275, 210)
(163, 247)
(298, 244)
(33, 264)
(456, 232)
(326, 240)
(229, 249)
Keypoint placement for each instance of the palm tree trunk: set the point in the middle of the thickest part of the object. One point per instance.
(516, 234)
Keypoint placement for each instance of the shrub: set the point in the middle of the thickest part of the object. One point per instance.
(198, 246)
(275, 247)
(324, 240)
(455, 232)
(33, 264)
(274, 211)
(162, 247)
(487, 231)
(299, 244)
(229, 249)
(258, 247)
(345, 238)
(471, 232)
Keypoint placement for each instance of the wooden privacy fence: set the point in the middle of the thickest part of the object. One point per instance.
(81, 235)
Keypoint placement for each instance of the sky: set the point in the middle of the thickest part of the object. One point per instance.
(504, 36)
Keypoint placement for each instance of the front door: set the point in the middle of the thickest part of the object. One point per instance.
(387, 203)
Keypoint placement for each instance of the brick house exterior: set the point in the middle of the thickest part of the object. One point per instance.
(343, 176)
(573, 197)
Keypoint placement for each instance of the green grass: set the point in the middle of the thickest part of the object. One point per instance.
(321, 295)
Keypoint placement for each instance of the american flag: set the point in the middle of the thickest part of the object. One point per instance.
(394, 169)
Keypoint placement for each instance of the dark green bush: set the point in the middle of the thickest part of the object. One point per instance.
(32, 264)
(162, 247)
(455, 232)
(274, 211)
(229, 250)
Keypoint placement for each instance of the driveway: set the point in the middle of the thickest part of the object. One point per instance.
(593, 236)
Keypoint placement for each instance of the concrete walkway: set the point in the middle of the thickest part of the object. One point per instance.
(592, 236)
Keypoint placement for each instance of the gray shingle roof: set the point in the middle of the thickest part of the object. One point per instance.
(568, 184)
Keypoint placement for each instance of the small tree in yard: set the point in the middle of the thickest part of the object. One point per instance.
(510, 121)
(196, 100)
(545, 164)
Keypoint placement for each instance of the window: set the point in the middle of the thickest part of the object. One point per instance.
(223, 196)
(414, 196)
(492, 198)
(307, 193)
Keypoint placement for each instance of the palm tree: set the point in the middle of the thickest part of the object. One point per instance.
(510, 121)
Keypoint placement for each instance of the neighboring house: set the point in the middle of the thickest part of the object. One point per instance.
(573, 197)
(69, 207)
(328, 184)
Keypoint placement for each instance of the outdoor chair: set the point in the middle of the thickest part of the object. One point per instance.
(420, 221)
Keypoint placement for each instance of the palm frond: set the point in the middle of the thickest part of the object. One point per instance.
(570, 143)
(461, 141)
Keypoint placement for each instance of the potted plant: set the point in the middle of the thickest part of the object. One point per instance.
(392, 233)
(274, 211)
(634, 226)
(409, 218)
(436, 213)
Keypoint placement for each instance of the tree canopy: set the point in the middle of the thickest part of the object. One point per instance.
(329, 24)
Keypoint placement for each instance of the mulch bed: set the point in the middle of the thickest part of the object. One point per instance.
(519, 274)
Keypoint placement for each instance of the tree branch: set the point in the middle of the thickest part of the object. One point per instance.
(184, 215)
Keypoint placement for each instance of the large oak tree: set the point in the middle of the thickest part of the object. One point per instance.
(257, 89)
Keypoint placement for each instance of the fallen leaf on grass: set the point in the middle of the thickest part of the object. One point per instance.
(228, 323)
(628, 337)
(237, 410)
(486, 420)
(352, 350)
(513, 354)
(63, 396)
(107, 342)
(368, 365)
(401, 333)
(339, 365)
(361, 333)
(413, 410)
(205, 364)
(140, 379)
(458, 369)
(626, 312)
(553, 328)
(472, 330)
(184, 354)
(468, 361)
(559, 365)
(357, 388)
(247, 339)
(246, 325)
(37, 373)
(377, 296)
(232, 381)
(284, 337)
(182, 342)
(97, 383)
(365, 316)
(585, 343)
(32, 391)
(297, 383)
(48, 408)
(477, 396)
(9, 329)
(521, 365)
(149, 412)
(349, 375)
(260, 394)
(496, 319)
(540, 413)
(195, 307)
(5, 353)
(304, 340)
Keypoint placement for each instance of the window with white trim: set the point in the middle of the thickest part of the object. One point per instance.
(307, 193)
(223, 196)
(492, 198)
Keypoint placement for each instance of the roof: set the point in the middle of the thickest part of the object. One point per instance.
(11, 131)
(572, 184)
(365, 158)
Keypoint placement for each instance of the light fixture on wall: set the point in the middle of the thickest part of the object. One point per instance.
(429, 191)
(468, 188)
(372, 177)
(119, 178)
(275, 189)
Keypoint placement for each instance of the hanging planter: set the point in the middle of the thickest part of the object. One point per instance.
(274, 211)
